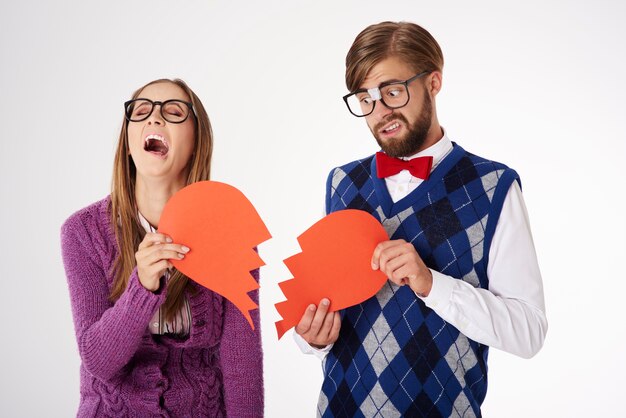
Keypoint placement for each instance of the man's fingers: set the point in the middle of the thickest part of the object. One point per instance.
(390, 267)
(334, 331)
(327, 327)
(377, 251)
(320, 315)
(383, 247)
(305, 322)
(404, 272)
(397, 255)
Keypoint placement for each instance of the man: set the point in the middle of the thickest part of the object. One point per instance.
(463, 274)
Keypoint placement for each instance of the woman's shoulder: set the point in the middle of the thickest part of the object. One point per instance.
(93, 213)
(93, 219)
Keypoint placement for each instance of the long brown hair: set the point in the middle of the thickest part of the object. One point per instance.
(408, 41)
(124, 218)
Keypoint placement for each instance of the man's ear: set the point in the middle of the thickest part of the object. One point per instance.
(433, 83)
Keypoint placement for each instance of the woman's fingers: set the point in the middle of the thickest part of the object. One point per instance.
(152, 238)
(153, 258)
(164, 251)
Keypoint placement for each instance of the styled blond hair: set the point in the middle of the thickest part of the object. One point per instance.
(124, 216)
(407, 41)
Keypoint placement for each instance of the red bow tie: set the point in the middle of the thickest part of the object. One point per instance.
(388, 166)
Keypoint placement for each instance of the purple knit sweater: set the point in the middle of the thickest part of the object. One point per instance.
(128, 372)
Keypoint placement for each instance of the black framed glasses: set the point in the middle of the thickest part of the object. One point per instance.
(393, 94)
(173, 110)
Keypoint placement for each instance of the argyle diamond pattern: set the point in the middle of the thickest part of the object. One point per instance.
(395, 356)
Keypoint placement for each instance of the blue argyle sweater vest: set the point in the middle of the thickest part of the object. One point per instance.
(395, 357)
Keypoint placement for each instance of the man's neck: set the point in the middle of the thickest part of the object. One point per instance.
(435, 133)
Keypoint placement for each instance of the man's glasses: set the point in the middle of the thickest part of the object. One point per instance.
(173, 111)
(393, 94)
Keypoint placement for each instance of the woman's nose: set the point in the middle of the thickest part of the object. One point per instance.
(156, 116)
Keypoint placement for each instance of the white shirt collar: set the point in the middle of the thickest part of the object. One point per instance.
(401, 184)
(144, 222)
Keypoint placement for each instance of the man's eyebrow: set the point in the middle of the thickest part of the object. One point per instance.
(393, 80)
(384, 83)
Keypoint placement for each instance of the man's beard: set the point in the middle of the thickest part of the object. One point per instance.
(415, 137)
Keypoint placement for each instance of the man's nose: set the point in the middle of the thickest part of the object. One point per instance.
(380, 110)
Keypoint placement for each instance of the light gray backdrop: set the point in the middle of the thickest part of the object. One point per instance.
(538, 85)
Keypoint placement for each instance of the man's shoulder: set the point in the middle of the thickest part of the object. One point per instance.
(493, 175)
(362, 164)
(481, 163)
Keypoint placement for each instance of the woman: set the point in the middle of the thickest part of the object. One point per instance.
(152, 342)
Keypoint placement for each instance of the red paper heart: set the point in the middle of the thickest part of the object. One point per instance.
(335, 263)
(221, 227)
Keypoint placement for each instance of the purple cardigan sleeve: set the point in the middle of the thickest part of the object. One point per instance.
(107, 334)
(242, 361)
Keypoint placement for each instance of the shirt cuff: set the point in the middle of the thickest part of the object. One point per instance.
(306, 348)
(441, 291)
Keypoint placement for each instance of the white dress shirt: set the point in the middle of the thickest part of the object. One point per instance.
(510, 314)
(180, 324)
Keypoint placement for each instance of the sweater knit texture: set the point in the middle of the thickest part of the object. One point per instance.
(128, 372)
(395, 357)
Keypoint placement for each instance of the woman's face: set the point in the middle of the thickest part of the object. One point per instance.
(161, 149)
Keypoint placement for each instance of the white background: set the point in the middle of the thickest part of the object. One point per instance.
(537, 85)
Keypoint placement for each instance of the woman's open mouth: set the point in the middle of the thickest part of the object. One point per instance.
(156, 144)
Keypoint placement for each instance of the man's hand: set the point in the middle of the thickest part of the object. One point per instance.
(318, 327)
(402, 265)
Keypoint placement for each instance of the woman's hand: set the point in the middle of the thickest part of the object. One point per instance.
(153, 257)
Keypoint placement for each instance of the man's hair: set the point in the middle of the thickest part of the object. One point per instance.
(407, 41)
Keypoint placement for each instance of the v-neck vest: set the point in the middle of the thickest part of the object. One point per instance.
(395, 356)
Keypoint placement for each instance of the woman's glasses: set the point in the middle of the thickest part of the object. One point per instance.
(173, 111)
